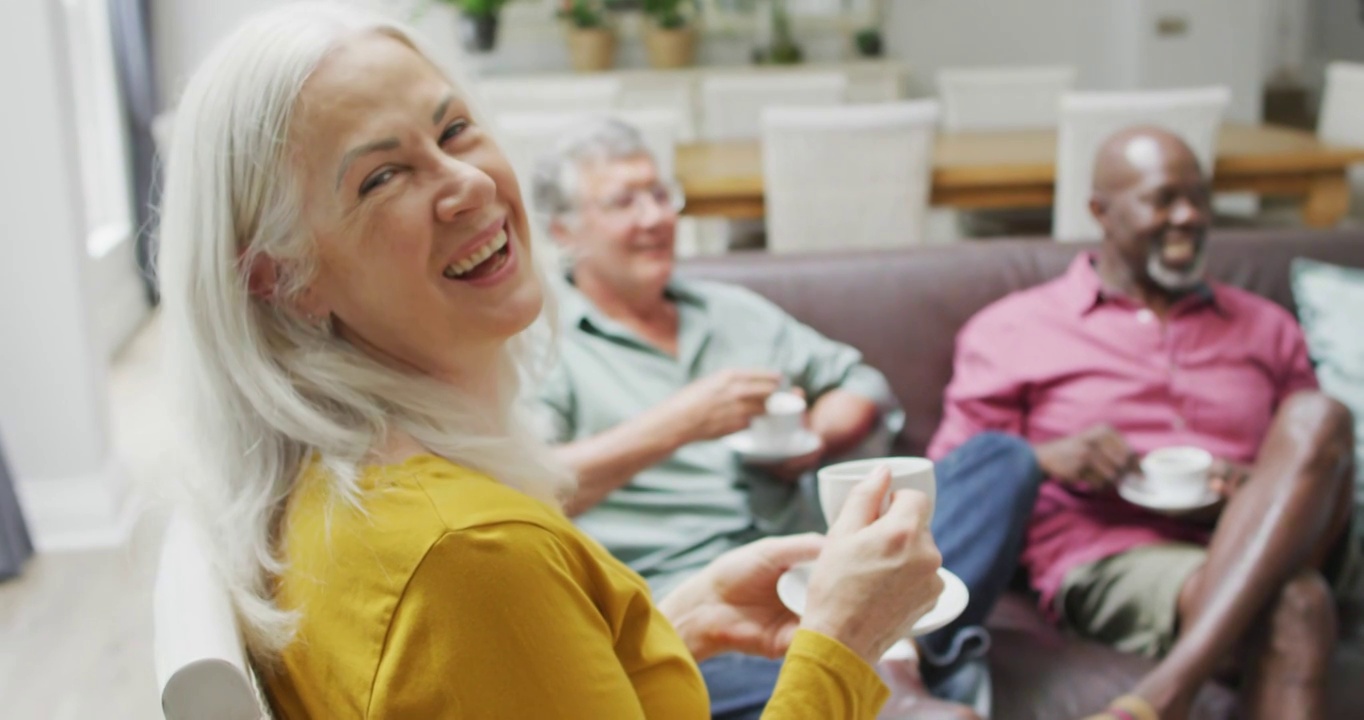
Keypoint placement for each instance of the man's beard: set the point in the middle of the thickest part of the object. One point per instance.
(1176, 280)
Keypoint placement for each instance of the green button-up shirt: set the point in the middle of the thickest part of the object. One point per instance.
(675, 517)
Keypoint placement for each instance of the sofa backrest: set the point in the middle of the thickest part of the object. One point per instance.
(903, 308)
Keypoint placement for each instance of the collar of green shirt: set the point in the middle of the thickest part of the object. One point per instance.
(577, 312)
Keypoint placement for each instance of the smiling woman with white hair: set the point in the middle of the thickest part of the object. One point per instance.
(348, 277)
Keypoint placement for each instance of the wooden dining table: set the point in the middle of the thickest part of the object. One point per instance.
(1017, 169)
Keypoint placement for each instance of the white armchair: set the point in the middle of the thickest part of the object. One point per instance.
(201, 667)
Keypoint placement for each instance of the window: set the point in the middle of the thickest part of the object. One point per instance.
(100, 129)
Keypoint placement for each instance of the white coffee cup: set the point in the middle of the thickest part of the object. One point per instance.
(906, 473)
(776, 430)
(1177, 474)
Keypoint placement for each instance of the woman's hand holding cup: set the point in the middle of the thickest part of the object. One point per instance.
(877, 574)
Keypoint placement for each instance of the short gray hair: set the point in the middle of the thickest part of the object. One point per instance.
(554, 186)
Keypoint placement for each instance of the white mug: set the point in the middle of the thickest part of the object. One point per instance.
(906, 473)
(1177, 474)
(781, 425)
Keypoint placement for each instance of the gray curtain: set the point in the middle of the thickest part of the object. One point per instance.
(131, 27)
(15, 546)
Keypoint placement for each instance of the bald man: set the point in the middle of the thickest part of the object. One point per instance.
(1133, 349)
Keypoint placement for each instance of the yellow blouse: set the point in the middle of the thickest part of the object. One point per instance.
(453, 596)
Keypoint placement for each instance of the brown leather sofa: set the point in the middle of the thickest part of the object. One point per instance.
(903, 310)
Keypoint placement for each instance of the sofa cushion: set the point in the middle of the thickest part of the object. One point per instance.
(1040, 673)
(1330, 301)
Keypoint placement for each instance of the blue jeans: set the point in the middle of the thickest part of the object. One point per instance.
(986, 490)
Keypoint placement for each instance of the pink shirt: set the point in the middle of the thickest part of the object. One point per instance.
(1062, 357)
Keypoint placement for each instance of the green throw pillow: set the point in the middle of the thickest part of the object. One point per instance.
(1331, 309)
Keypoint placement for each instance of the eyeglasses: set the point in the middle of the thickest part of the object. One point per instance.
(632, 203)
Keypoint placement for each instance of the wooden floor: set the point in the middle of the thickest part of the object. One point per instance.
(75, 628)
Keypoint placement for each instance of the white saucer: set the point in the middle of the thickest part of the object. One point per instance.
(794, 583)
(804, 443)
(1132, 491)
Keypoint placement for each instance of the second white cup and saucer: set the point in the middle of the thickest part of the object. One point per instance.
(778, 435)
(1173, 480)
(835, 483)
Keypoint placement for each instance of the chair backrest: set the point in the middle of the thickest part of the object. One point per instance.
(664, 92)
(1342, 104)
(1003, 98)
(1342, 120)
(1090, 118)
(201, 666)
(566, 94)
(526, 137)
(839, 178)
(732, 105)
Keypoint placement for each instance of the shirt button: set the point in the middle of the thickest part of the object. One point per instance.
(1145, 316)
(1178, 423)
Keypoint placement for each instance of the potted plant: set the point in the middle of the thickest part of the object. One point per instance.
(784, 50)
(591, 40)
(869, 42)
(774, 42)
(477, 22)
(670, 32)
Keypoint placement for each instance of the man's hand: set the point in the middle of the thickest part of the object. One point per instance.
(722, 403)
(1227, 477)
(1097, 457)
(791, 469)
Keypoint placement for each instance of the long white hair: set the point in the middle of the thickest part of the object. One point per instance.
(260, 391)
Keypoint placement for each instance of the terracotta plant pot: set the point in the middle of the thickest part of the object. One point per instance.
(670, 48)
(591, 49)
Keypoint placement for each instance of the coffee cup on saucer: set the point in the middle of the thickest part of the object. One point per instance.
(835, 485)
(906, 473)
(778, 428)
(1177, 475)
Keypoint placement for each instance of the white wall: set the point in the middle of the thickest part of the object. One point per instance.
(1287, 37)
(1112, 42)
(932, 34)
(114, 288)
(53, 414)
(1222, 45)
(117, 298)
(1340, 30)
(185, 31)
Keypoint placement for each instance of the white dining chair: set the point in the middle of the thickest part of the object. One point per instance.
(850, 177)
(675, 94)
(1090, 118)
(566, 94)
(1342, 120)
(1003, 98)
(732, 105)
(201, 666)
